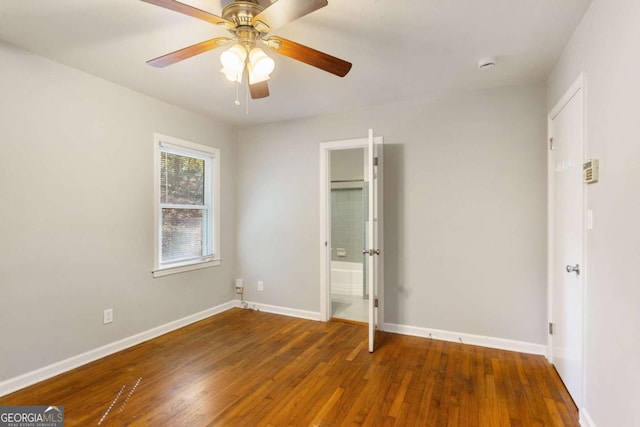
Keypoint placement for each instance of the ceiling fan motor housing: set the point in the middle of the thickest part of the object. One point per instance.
(241, 12)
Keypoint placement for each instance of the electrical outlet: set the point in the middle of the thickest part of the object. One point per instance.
(107, 316)
(239, 286)
(260, 286)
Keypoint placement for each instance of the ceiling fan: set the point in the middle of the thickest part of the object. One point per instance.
(250, 24)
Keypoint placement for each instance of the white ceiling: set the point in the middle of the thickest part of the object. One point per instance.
(399, 49)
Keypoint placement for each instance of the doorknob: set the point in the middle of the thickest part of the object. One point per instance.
(574, 268)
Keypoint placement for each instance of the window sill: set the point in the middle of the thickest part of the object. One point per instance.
(166, 271)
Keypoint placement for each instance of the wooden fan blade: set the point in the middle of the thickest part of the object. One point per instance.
(191, 11)
(283, 11)
(310, 56)
(259, 90)
(188, 52)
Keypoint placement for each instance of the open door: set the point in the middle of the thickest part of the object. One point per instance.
(373, 251)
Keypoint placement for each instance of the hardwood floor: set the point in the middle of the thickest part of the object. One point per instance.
(247, 368)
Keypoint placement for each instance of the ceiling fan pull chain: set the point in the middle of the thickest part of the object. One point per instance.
(246, 101)
(237, 101)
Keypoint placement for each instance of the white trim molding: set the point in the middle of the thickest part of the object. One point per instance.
(585, 420)
(275, 309)
(44, 373)
(479, 340)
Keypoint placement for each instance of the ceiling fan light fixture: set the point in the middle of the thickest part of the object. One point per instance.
(255, 77)
(233, 59)
(231, 75)
(261, 64)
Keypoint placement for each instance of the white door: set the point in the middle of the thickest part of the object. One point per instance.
(373, 252)
(566, 238)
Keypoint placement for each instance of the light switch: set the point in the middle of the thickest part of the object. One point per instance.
(589, 219)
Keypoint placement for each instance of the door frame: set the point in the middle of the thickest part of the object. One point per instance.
(578, 85)
(325, 229)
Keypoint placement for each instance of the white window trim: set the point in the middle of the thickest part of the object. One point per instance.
(163, 141)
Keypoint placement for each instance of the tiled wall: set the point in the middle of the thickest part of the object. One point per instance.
(347, 223)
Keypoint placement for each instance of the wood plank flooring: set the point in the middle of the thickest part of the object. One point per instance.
(247, 368)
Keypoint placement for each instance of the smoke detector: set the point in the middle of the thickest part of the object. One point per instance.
(486, 63)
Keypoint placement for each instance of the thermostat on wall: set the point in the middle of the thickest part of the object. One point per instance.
(590, 169)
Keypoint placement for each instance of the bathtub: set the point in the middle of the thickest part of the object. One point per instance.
(346, 278)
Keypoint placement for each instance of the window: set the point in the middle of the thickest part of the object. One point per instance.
(186, 206)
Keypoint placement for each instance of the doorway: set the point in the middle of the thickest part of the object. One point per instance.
(361, 186)
(347, 218)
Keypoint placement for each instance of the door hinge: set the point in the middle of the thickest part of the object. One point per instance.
(550, 328)
(551, 143)
(375, 161)
(375, 303)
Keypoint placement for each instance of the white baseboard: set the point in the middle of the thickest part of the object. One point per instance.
(585, 419)
(275, 309)
(25, 380)
(499, 343)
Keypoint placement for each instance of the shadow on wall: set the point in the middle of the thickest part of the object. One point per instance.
(394, 268)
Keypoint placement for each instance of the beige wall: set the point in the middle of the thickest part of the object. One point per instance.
(76, 222)
(465, 210)
(605, 47)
